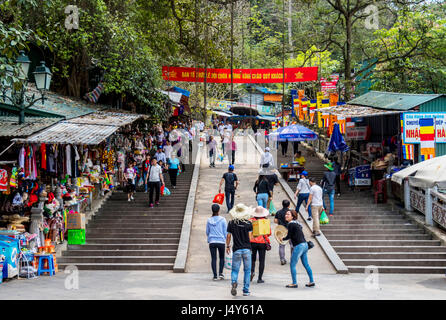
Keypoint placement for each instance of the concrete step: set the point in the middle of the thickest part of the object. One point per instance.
(397, 262)
(378, 249)
(133, 246)
(379, 237)
(154, 234)
(389, 220)
(115, 259)
(373, 217)
(133, 225)
(389, 242)
(118, 266)
(401, 269)
(332, 231)
(133, 230)
(136, 219)
(141, 214)
(117, 253)
(392, 255)
(115, 240)
(369, 226)
(145, 209)
(338, 213)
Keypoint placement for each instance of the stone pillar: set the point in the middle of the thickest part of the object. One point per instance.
(428, 208)
(407, 205)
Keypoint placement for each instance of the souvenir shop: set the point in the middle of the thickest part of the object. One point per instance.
(53, 181)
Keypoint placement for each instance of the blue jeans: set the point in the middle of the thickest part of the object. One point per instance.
(300, 251)
(300, 199)
(262, 199)
(331, 197)
(145, 174)
(229, 195)
(237, 257)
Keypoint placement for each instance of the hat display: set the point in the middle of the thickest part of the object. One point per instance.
(260, 212)
(281, 232)
(241, 212)
(329, 166)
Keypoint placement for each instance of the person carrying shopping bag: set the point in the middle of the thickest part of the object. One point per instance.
(259, 244)
(155, 179)
(300, 248)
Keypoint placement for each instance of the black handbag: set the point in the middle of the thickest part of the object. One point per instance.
(268, 245)
(310, 244)
(265, 165)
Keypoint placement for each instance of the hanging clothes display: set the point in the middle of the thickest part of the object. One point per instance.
(43, 162)
(22, 155)
(68, 170)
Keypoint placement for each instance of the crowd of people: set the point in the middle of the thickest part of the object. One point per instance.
(164, 153)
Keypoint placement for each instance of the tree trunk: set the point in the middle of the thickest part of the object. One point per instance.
(348, 58)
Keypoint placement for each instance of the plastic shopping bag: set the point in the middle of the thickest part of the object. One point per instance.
(220, 157)
(162, 190)
(272, 209)
(228, 260)
(324, 218)
(166, 192)
(219, 198)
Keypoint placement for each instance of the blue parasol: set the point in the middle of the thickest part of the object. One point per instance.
(337, 142)
(294, 132)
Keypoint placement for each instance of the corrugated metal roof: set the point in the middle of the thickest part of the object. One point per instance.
(66, 132)
(10, 127)
(107, 118)
(90, 129)
(392, 100)
(61, 106)
(349, 111)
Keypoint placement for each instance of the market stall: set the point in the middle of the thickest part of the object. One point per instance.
(58, 173)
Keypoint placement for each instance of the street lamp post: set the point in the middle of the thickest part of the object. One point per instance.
(18, 97)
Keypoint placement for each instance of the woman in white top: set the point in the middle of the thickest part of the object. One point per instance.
(303, 192)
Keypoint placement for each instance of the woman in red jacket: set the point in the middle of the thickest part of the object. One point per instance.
(259, 244)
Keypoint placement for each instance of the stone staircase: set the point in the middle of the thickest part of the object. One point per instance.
(131, 236)
(367, 234)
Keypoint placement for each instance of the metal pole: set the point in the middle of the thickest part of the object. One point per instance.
(283, 65)
(232, 48)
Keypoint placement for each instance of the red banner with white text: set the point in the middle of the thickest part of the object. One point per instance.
(240, 75)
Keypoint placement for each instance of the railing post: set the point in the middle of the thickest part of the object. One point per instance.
(407, 205)
(428, 208)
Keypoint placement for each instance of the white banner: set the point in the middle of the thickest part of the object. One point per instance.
(411, 126)
(356, 133)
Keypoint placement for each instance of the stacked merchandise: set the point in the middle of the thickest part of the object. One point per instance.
(76, 228)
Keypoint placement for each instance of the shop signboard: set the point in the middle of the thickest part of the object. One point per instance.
(360, 176)
(411, 126)
(356, 133)
(330, 83)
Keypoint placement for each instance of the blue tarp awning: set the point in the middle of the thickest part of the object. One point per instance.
(294, 132)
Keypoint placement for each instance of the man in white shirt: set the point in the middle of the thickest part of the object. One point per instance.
(266, 162)
(168, 150)
(156, 179)
(160, 156)
(303, 192)
(317, 205)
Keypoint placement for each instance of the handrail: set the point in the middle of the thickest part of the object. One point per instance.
(439, 195)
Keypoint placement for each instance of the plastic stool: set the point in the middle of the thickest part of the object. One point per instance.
(49, 259)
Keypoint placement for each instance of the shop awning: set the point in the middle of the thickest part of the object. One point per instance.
(222, 113)
(174, 97)
(426, 174)
(266, 118)
(91, 129)
(350, 111)
(10, 127)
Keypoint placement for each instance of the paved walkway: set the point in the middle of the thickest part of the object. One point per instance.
(246, 167)
(166, 285)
